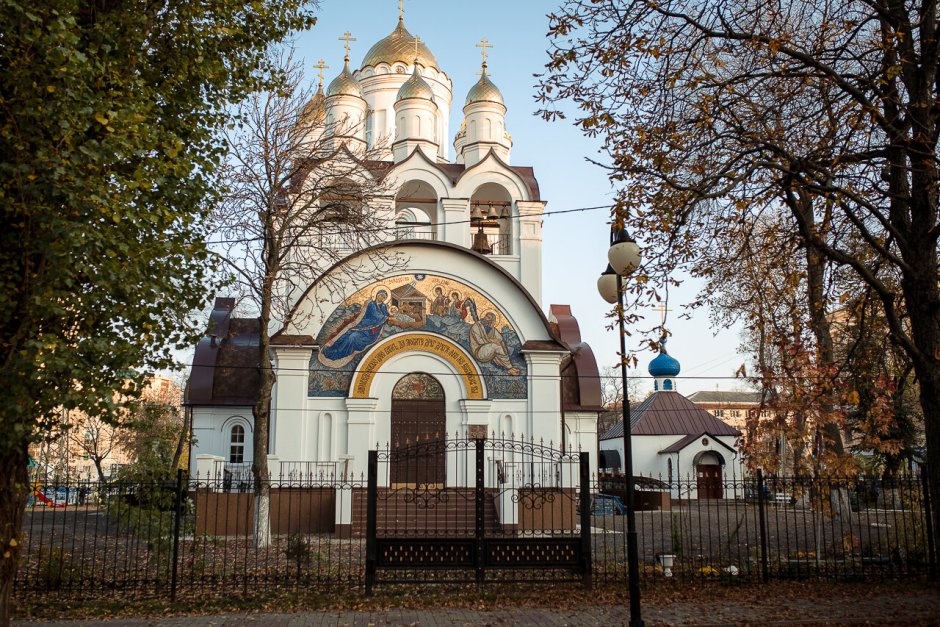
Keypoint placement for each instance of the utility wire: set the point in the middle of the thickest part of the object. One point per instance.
(385, 229)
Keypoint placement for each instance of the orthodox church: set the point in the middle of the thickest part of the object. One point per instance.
(452, 341)
(675, 440)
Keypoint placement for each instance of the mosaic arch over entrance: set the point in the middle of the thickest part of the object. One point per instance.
(428, 304)
(414, 342)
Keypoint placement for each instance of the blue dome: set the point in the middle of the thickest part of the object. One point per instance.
(664, 365)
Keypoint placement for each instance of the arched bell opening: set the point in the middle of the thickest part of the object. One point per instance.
(491, 220)
(416, 211)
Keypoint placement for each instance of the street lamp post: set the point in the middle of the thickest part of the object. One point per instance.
(624, 258)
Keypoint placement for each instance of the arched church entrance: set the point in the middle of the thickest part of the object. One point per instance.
(418, 431)
(708, 466)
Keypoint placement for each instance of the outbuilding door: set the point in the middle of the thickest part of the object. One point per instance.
(419, 418)
(709, 481)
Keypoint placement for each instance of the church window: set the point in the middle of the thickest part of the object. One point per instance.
(669, 470)
(237, 445)
(489, 128)
(417, 126)
(667, 384)
(370, 129)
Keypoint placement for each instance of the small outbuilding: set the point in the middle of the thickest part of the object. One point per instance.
(676, 441)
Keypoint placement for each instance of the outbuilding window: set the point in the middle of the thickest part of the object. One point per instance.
(237, 448)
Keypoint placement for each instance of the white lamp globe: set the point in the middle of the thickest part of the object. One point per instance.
(624, 257)
(607, 286)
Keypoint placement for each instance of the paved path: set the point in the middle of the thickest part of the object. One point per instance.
(915, 608)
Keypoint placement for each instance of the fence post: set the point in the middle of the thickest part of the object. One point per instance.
(928, 519)
(371, 524)
(762, 515)
(586, 565)
(177, 517)
(479, 508)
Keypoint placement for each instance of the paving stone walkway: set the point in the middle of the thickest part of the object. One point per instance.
(916, 608)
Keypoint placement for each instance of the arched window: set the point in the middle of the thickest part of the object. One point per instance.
(237, 445)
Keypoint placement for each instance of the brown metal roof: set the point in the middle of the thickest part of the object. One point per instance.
(580, 379)
(225, 366)
(670, 413)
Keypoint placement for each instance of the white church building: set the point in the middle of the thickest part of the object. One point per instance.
(453, 341)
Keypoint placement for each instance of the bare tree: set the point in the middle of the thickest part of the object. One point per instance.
(93, 437)
(301, 189)
(612, 397)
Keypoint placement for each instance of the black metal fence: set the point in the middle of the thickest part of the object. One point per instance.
(183, 537)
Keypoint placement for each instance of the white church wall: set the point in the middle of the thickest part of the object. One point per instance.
(582, 434)
(212, 432)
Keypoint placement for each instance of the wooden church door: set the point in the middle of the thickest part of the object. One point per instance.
(418, 430)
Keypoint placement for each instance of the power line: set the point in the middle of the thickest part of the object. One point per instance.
(387, 229)
(601, 377)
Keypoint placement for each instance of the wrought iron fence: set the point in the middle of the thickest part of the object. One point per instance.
(184, 536)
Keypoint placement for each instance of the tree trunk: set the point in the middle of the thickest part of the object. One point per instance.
(14, 488)
(99, 470)
(925, 329)
(259, 466)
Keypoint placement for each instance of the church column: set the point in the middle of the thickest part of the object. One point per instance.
(544, 418)
(456, 216)
(476, 424)
(530, 246)
(354, 456)
(288, 414)
(360, 430)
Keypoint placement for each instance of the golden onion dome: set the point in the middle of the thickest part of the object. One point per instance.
(315, 109)
(484, 91)
(399, 46)
(344, 84)
(415, 87)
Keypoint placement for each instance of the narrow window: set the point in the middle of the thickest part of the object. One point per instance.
(237, 450)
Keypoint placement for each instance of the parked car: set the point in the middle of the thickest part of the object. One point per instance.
(607, 504)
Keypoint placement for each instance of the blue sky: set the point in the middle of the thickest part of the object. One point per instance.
(574, 244)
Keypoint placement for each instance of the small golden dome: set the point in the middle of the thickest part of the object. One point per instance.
(415, 87)
(344, 84)
(484, 91)
(399, 46)
(315, 109)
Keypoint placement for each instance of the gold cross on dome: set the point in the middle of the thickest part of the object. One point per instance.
(347, 37)
(401, 9)
(663, 310)
(321, 65)
(484, 44)
(417, 41)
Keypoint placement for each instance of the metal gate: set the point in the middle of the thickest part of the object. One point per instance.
(506, 505)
